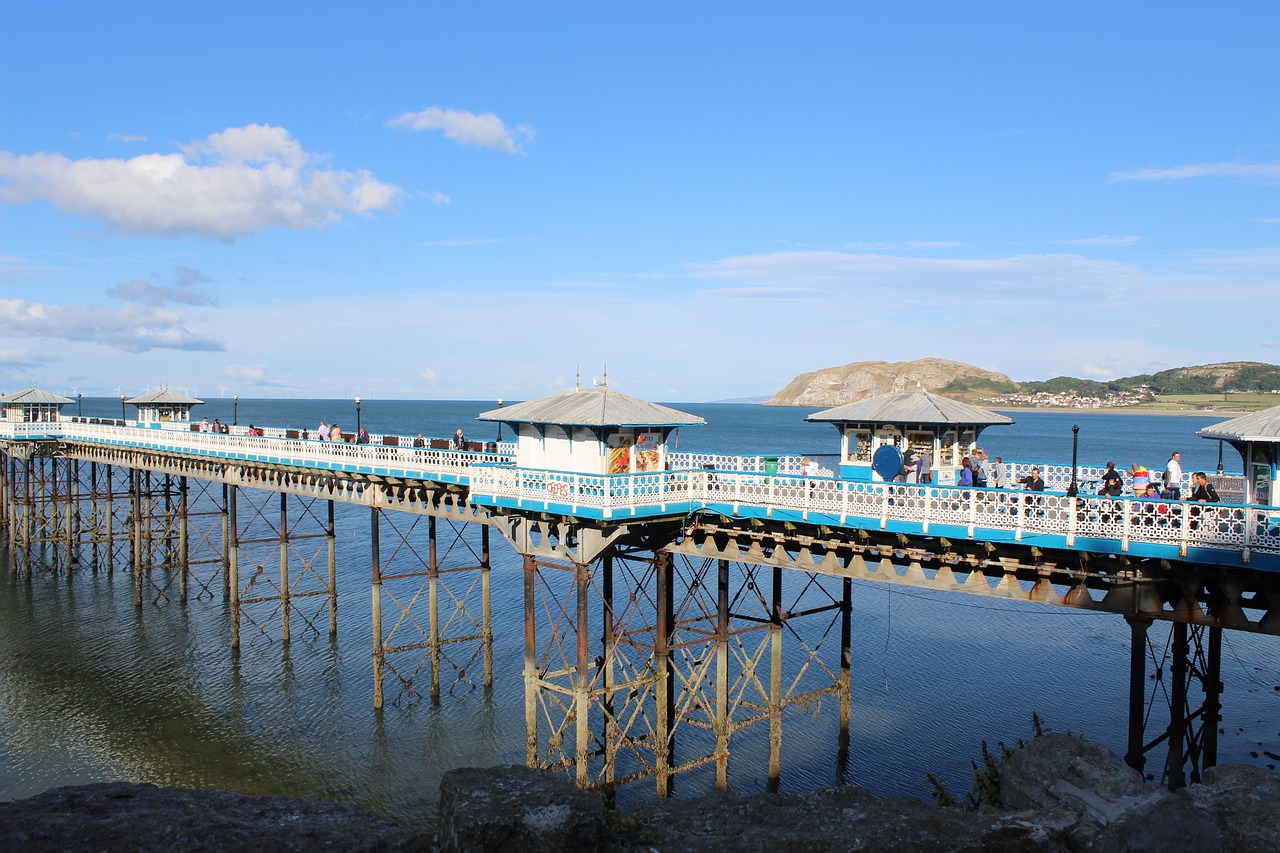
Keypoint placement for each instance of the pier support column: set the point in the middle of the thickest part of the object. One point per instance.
(227, 526)
(665, 688)
(379, 651)
(775, 683)
(582, 676)
(531, 680)
(722, 723)
(284, 568)
(845, 686)
(1174, 769)
(1212, 700)
(332, 549)
(433, 608)
(486, 605)
(1135, 754)
(608, 643)
(233, 564)
(184, 539)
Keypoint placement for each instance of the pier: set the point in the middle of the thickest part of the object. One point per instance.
(659, 587)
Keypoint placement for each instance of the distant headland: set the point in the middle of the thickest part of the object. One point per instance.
(1229, 386)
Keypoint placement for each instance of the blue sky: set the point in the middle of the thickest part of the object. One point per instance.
(473, 200)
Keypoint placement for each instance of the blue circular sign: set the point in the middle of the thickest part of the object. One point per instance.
(887, 461)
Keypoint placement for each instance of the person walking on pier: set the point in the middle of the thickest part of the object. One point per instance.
(323, 430)
(964, 477)
(459, 441)
(999, 474)
(1173, 477)
(924, 467)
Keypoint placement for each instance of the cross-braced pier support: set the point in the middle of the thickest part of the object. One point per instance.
(686, 655)
(269, 574)
(454, 635)
(1191, 657)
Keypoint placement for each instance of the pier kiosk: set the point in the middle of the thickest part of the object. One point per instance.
(164, 406)
(879, 434)
(32, 406)
(1257, 437)
(591, 431)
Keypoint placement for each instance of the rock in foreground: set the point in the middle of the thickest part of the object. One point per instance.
(139, 817)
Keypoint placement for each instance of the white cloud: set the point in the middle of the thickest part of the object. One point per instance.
(1102, 240)
(11, 358)
(181, 291)
(126, 137)
(438, 197)
(255, 376)
(234, 183)
(466, 128)
(428, 375)
(1268, 172)
(133, 328)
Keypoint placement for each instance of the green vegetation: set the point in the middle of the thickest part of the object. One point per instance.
(1235, 378)
(1236, 386)
(1069, 385)
(977, 386)
(985, 790)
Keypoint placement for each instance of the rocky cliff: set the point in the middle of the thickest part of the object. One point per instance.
(835, 386)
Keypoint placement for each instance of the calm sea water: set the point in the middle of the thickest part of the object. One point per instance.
(92, 689)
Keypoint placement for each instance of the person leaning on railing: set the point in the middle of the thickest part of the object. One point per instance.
(1033, 483)
(1202, 492)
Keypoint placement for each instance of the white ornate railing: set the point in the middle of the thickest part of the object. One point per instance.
(737, 482)
(1014, 511)
(331, 455)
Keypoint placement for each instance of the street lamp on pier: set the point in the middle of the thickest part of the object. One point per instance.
(500, 422)
(1073, 489)
(79, 405)
(358, 401)
(123, 416)
(235, 410)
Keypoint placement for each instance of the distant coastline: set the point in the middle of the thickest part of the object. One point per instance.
(1225, 414)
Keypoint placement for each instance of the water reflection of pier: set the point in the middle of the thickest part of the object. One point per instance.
(659, 594)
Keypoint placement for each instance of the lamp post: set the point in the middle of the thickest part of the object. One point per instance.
(499, 422)
(123, 416)
(358, 401)
(79, 405)
(235, 410)
(1219, 456)
(1073, 490)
